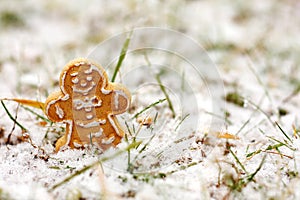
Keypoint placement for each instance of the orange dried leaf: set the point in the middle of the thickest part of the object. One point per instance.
(31, 103)
(227, 136)
(145, 121)
(42, 123)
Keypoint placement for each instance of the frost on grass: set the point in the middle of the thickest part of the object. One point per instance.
(255, 46)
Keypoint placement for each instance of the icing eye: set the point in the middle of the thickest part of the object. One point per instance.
(88, 71)
(75, 80)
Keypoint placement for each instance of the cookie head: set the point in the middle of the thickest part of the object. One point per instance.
(81, 78)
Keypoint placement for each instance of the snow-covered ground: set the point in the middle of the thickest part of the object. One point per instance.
(226, 67)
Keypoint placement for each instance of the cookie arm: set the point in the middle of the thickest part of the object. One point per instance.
(55, 107)
(121, 99)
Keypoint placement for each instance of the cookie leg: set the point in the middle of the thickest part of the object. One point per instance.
(70, 139)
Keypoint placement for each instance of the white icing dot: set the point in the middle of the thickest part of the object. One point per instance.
(89, 116)
(89, 78)
(83, 83)
(88, 109)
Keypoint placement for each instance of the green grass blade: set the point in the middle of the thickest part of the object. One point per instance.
(238, 161)
(36, 114)
(148, 107)
(12, 118)
(181, 121)
(282, 131)
(251, 176)
(162, 87)
(122, 56)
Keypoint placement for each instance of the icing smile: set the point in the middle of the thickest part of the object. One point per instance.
(85, 90)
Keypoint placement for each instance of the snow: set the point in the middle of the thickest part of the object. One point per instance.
(202, 50)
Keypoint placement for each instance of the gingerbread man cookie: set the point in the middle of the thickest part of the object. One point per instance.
(87, 102)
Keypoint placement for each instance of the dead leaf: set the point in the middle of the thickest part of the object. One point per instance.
(227, 136)
(27, 102)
